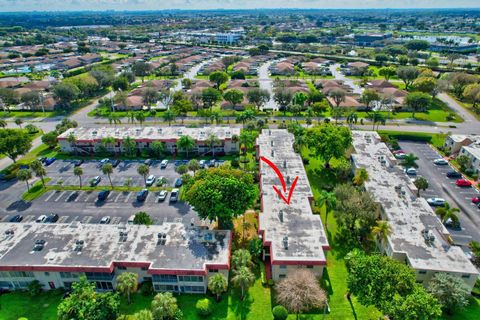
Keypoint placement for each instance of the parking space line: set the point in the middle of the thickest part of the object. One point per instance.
(70, 195)
(5, 218)
(118, 196)
(63, 219)
(61, 194)
(128, 197)
(116, 220)
(51, 195)
(29, 218)
(86, 219)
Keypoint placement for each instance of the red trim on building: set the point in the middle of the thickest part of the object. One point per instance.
(299, 263)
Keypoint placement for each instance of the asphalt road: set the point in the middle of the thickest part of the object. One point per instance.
(440, 186)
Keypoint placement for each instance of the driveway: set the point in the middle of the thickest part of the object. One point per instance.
(442, 187)
(266, 83)
(349, 82)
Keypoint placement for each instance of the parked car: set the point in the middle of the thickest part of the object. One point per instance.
(476, 200)
(104, 161)
(16, 218)
(178, 162)
(463, 183)
(174, 195)
(105, 220)
(42, 159)
(211, 163)
(398, 151)
(95, 181)
(436, 202)
(411, 171)
(202, 163)
(49, 161)
(161, 181)
(51, 218)
(115, 163)
(41, 219)
(148, 162)
(131, 219)
(162, 195)
(150, 180)
(454, 174)
(440, 162)
(78, 163)
(400, 155)
(452, 224)
(163, 164)
(103, 195)
(178, 182)
(72, 196)
(142, 195)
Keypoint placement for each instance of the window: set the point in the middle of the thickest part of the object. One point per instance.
(47, 274)
(121, 268)
(309, 267)
(99, 276)
(103, 285)
(165, 287)
(68, 275)
(212, 270)
(193, 289)
(465, 276)
(6, 284)
(164, 278)
(282, 276)
(21, 274)
(144, 268)
(67, 285)
(190, 278)
(422, 272)
(4, 274)
(282, 267)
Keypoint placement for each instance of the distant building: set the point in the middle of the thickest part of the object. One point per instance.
(418, 237)
(87, 140)
(371, 39)
(293, 237)
(455, 142)
(173, 256)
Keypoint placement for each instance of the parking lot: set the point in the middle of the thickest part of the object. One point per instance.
(83, 206)
(440, 186)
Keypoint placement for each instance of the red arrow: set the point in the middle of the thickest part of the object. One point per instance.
(282, 180)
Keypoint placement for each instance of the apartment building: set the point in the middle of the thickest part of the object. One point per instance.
(173, 256)
(87, 140)
(418, 237)
(293, 237)
(455, 142)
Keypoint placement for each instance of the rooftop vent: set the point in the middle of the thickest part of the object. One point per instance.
(280, 215)
(161, 238)
(123, 236)
(288, 179)
(78, 245)
(285, 242)
(159, 130)
(271, 143)
(273, 153)
(428, 236)
(284, 163)
(39, 245)
(269, 132)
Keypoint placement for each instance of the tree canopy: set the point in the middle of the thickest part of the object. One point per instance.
(14, 142)
(328, 141)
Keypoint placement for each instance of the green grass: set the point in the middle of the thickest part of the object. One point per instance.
(20, 304)
(467, 106)
(27, 114)
(436, 139)
(36, 190)
(472, 312)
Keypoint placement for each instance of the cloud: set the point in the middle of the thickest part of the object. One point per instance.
(46, 5)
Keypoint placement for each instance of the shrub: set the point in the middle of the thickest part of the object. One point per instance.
(147, 288)
(204, 307)
(279, 313)
(235, 163)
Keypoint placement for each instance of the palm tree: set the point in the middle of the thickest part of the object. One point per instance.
(329, 200)
(143, 170)
(186, 143)
(193, 165)
(107, 169)
(169, 116)
(447, 212)
(212, 140)
(131, 117)
(73, 142)
(241, 258)
(140, 117)
(421, 183)
(3, 123)
(115, 119)
(127, 283)
(382, 230)
(19, 122)
(409, 161)
(217, 284)
(143, 315)
(108, 142)
(361, 175)
(243, 279)
(77, 171)
(24, 175)
(164, 306)
(39, 170)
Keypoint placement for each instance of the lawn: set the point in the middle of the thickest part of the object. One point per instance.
(467, 106)
(20, 304)
(437, 140)
(472, 312)
(28, 114)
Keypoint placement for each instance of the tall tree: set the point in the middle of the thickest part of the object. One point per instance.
(193, 165)
(258, 97)
(24, 175)
(338, 96)
(164, 306)
(234, 96)
(212, 141)
(127, 283)
(300, 291)
(218, 78)
(382, 230)
(369, 96)
(329, 200)
(186, 143)
(14, 142)
(387, 72)
(217, 284)
(243, 279)
(329, 141)
(157, 149)
(451, 291)
(210, 97)
(107, 169)
(169, 116)
(39, 170)
(143, 170)
(77, 171)
(407, 75)
(421, 183)
(448, 212)
(241, 258)
(141, 69)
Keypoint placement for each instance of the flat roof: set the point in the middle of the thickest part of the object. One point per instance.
(407, 214)
(185, 248)
(305, 232)
(150, 133)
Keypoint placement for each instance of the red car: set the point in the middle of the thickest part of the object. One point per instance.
(463, 183)
(398, 151)
(476, 200)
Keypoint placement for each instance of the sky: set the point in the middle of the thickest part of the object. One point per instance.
(120, 5)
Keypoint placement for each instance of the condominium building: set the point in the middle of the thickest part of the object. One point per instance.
(88, 140)
(293, 237)
(417, 237)
(175, 257)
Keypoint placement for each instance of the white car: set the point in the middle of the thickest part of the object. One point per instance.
(131, 219)
(163, 164)
(150, 180)
(162, 195)
(400, 155)
(440, 162)
(202, 163)
(103, 161)
(41, 219)
(174, 195)
(436, 202)
(105, 220)
(411, 171)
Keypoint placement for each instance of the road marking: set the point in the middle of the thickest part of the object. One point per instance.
(29, 218)
(63, 219)
(118, 196)
(116, 220)
(4, 219)
(70, 195)
(128, 197)
(61, 194)
(86, 219)
(51, 195)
